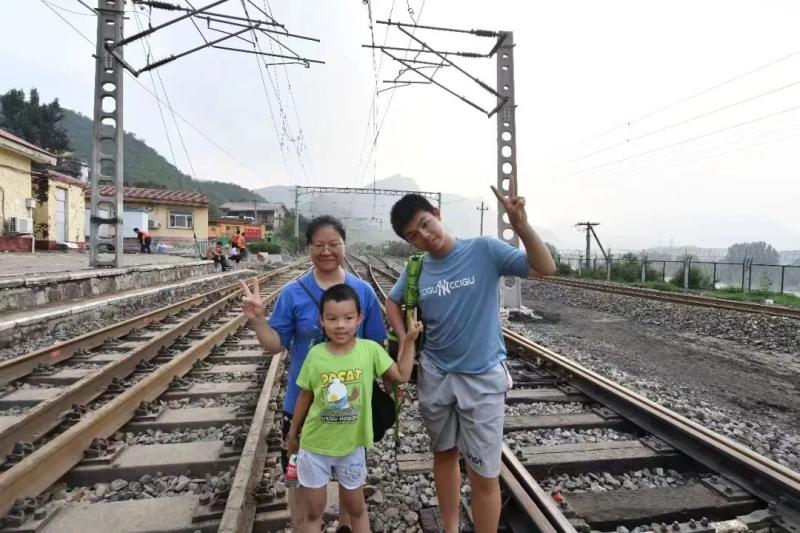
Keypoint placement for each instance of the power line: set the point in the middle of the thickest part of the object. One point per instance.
(151, 93)
(147, 51)
(690, 139)
(680, 158)
(391, 97)
(682, 122)
(681, 101)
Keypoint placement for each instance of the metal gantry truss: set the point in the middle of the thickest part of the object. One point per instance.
(301, 190)
(105, 235)
(503, 51)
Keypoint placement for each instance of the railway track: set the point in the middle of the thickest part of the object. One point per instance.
(165, 422)
(678, 298)
(584, 453)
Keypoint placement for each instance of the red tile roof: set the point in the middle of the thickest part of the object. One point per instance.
(157, 196)
(11, 137)
(63, 178)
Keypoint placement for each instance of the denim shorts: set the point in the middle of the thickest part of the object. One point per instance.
(314, 470)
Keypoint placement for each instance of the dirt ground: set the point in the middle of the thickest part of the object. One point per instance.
(753, 384)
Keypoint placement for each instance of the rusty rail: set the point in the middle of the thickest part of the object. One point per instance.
(679, 298)
(22, 365)
(46, 465)
(759, 475)
(240, 508)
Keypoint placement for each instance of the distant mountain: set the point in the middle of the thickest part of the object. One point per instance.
(366, 216)
(145, 167)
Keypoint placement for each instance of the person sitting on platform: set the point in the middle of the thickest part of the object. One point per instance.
(217, 254)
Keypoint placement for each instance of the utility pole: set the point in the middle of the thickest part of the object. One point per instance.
(589, 233)
(482, 209)
(106, 166)
(106, 169)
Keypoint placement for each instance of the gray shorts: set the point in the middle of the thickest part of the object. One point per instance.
(465, 411)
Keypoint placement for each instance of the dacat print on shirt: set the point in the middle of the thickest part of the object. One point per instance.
(340, 406)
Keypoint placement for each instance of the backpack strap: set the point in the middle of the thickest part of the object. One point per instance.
(310, 295)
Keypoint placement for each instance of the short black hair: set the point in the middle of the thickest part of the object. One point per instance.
(220, 243)
(322, 221)
(136, 229)
(340, 293)
(405, 209)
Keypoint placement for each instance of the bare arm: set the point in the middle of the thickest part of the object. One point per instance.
(253, 309)
(401, 370)
(539, 259)
(301, 408)
(394, 315)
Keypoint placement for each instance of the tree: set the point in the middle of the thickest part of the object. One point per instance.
(39, 124)
(285, 233)
(759, 252)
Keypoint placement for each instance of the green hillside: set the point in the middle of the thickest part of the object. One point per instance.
(145, 167)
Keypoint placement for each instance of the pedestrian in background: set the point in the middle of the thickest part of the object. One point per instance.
(144, 240)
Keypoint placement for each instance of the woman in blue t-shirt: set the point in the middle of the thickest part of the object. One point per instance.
(294, 324)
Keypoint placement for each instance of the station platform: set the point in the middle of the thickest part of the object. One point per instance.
(29, 281)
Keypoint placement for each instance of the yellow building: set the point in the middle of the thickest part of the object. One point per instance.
(58, 218)
(16, 199)
(171, 216)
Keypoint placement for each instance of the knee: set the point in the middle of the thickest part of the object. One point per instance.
(446, 456)
(356, 508)
(481, 482)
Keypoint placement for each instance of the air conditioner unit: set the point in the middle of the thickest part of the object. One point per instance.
(30, 203)
(20, 225)
(153, 224)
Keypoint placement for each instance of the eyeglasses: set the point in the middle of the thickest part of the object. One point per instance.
(318, 247)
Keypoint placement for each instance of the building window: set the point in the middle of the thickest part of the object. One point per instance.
(180, 219)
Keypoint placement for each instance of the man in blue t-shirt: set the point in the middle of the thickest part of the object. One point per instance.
(462, 379)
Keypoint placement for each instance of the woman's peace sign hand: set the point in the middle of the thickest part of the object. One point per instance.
(252, 306)
(514, 206)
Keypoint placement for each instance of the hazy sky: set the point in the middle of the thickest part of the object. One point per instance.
(603, 132)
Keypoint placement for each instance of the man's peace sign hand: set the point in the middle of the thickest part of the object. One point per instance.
(252, 306)
(514, 206)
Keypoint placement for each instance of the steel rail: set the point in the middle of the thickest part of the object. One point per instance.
(680, 298)
(240, 507)
(46, 465)
(23, 365)
(45, 415)
(763, 477)
(540, 508)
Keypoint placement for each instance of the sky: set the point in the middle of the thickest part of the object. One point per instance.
(667, 122)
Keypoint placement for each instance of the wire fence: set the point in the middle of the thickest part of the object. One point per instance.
(746, 276)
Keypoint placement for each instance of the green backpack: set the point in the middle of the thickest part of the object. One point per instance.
(410, 302)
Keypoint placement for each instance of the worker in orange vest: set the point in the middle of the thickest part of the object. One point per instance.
(144, 240)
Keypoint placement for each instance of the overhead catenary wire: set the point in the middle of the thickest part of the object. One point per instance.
(155, 96)
(682, 122)
(147, 51)
(681, 101)
(373, 146)
(677, 143)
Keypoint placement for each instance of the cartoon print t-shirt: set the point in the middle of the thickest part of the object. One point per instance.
(340, 417)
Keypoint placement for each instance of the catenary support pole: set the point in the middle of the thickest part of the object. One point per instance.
(507, 172)
(105, 224)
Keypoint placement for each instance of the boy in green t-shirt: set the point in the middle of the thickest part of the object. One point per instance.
(334, 408)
